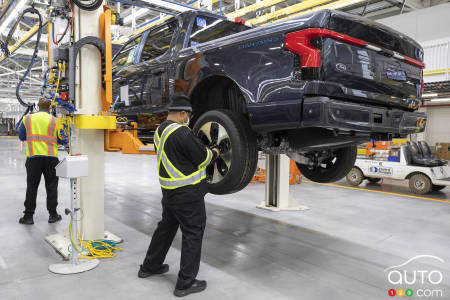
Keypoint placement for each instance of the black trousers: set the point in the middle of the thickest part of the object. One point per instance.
(191, 218)
(36, 166)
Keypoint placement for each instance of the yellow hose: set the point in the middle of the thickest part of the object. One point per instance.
(57, 84)
(93, 247)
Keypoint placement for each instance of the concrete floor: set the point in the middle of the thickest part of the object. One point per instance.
(336, 250)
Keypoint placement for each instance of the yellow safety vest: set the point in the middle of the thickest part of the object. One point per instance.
(176, 178)
(41, 134)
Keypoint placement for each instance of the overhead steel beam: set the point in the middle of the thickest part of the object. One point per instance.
(21, 33)
(8, 83)
(5, 8)
(381, 12)
(12, 72)
(254, 7)
(29, 52)
(159, 5)
(414, 4)
(372, 7)
(287, 11)
(23, 40)
(333, 5)
(154, 22)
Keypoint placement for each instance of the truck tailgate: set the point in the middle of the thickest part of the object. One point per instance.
(365, 69)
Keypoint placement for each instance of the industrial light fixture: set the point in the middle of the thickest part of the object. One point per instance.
(341, 4)
(170, 5)
(430, 95)
(12, 15)
(440, 100)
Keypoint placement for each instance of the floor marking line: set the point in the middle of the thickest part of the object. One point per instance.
(3, 263)
(374, 191)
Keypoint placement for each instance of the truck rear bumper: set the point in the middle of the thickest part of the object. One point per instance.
(348, 116)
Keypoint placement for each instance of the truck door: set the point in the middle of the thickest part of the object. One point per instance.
(156, 56)
(155, 60)
(126, 73)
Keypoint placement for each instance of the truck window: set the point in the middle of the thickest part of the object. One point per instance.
(126, 54)
(206, 29)
(158, 41)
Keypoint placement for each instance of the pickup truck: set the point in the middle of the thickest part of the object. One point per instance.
(311, 87)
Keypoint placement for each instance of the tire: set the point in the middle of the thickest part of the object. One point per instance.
(338, 166)
(373, 180)
(88, 4)
(355, 177)
(436, 187)
(420, 184)
(236, 167)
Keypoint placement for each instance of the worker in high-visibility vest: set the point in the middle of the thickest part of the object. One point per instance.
(182, 159)
(40, 132)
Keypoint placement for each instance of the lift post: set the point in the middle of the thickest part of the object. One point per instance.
(277, 185)
(90, 90)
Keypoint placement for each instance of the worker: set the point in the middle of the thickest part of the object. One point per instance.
(39, 130)
(182, 159)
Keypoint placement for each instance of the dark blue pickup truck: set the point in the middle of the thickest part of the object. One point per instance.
(312, 87)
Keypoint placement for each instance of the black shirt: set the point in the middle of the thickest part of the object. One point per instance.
(186, 152)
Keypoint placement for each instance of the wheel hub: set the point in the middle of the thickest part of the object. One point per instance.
(214, 134)
(419, 184)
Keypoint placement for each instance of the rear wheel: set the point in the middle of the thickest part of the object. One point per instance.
(373, 180)
(355, 176)
(230, 131)
(437, 187)
(420, 184)
(334, 167)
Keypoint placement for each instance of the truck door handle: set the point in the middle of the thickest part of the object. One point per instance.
(158, 71)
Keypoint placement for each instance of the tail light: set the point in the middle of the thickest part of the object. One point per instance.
(299, 42)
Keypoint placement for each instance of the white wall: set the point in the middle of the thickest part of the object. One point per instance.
(438, 125)
(424, 25)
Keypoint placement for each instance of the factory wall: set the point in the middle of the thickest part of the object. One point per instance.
(423, 25)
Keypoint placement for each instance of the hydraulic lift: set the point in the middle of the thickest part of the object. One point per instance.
(83, 101)
(278, 175)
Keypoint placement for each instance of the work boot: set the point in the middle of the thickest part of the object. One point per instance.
(26, 220)
(143, 273)
(196, 287)
(53, 218)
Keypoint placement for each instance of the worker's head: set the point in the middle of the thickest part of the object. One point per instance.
(44, 104)
(180, 110)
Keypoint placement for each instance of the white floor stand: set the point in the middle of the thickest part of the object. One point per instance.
(277, 185)
(75, 266)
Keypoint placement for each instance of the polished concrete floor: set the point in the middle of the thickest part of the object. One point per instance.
(338, 249)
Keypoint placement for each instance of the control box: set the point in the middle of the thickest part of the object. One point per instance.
(73, 166)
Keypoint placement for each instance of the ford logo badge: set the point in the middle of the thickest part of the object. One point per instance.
(341, 67)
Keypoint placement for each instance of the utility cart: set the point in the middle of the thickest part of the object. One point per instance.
(416, 163)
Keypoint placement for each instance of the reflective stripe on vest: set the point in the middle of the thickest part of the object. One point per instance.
(41, 134)
(176, 177)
